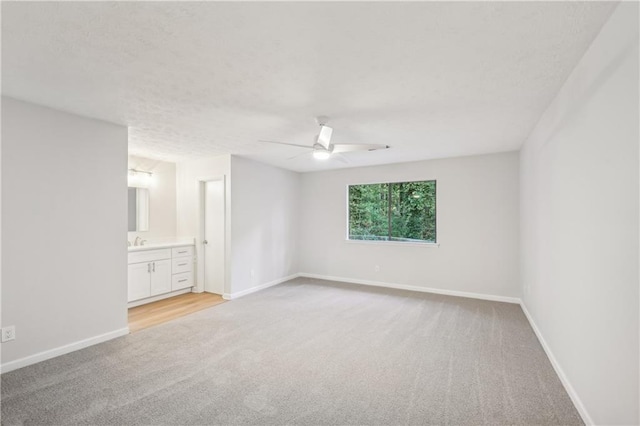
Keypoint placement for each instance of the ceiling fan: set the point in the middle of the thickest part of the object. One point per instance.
(323, 148)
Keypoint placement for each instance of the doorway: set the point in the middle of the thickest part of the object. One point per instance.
(213, 235)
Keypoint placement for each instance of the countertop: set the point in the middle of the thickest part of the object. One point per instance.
(152, 246)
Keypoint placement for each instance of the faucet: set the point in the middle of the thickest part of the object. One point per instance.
(137, 241)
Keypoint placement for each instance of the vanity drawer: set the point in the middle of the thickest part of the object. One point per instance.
(180, 281)
(182, 251)
(149, 255)
(181, 264)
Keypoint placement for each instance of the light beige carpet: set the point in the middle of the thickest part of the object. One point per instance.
(306, 352)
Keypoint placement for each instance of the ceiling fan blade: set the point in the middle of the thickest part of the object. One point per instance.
(339, 158)
(344, 147)
(289, 144)
(300, 155)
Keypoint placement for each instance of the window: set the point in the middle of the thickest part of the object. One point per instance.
(399, 211)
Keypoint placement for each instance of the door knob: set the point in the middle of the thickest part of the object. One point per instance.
(205, 242)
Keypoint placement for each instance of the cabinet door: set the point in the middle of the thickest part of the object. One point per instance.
(160, 277)
(139, 280)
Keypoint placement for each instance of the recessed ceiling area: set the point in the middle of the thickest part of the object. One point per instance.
(199, 79)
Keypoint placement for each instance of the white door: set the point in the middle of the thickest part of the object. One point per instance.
(139, 281)
(214, 236)
(160, 277)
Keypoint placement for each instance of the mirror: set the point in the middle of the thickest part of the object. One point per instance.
(138, 209)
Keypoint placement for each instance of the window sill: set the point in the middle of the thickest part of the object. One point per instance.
(393, 243)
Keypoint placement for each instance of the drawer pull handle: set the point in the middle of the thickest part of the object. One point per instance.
(182, 264)
(180, 252)
(181, 281)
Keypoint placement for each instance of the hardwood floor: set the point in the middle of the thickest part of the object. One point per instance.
(155, 313)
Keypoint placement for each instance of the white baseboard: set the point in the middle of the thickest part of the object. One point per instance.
(52, 353)
(415, 288)
(231, 296)
(586, 418)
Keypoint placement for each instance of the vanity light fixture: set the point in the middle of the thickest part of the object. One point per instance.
(140, 178)
(136, 171)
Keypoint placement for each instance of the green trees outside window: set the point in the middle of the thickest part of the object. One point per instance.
(399, 211)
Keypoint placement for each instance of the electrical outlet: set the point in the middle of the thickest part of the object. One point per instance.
(8, 333)
(377, 268)
(253, 273)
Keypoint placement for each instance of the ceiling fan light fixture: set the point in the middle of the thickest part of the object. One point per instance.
(321, 154)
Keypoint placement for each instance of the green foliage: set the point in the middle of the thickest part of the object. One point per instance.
(404, 211)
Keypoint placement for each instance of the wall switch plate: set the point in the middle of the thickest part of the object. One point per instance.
(8, 333)
(377, 268)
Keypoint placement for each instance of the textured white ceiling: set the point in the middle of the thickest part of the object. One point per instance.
(199, 79)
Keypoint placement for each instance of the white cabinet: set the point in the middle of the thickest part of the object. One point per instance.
(182, 264)
(139, 281)
(182, 251)
(160, 277)
(182, 268)
(155, 272)
(183, 280)
(149, 279)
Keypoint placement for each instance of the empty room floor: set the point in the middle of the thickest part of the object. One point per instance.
(306, 352)
(154, 313)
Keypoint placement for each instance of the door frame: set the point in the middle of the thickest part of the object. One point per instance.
(201, 182)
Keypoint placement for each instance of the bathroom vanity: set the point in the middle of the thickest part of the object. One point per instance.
(158, 271)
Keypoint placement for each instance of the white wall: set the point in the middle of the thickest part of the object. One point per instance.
(579, 192)
(64, 221)
(477, 226)
(265, 223)
(189, 174)
(162, 199)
